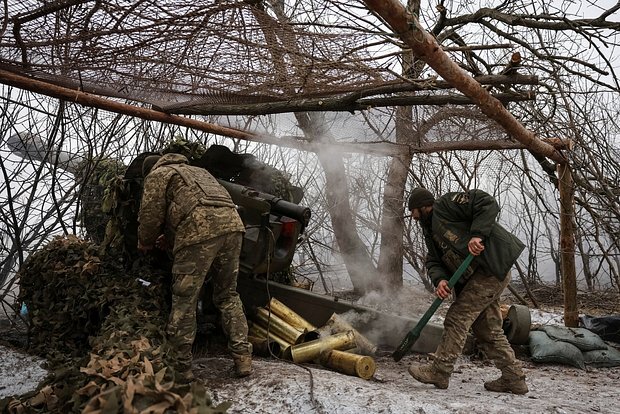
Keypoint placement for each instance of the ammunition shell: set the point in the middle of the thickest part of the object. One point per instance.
(289, 315)
(260, 332)
(348, 363)
(336, 323)
(264, 346)
(311, 336)
(309, 351)
(278, 326)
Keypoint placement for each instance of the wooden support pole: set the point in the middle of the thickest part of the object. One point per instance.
(346, 103)
(425, 46)
(95, 101)
(567, 245)
(517, 295)
(373, 148)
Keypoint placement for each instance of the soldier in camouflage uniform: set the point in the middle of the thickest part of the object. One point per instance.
(454, 225)
(193, 215)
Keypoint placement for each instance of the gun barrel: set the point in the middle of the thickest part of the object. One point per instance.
(277, 205)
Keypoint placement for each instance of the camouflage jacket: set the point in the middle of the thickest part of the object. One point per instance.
(456, 218)
(185, 203)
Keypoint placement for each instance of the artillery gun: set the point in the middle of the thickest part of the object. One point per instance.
(274, 225)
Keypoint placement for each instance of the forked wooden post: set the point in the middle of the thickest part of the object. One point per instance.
(567, 244)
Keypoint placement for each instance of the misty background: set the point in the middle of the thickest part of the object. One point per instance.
(340, 158)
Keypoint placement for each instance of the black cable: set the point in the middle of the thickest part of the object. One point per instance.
(313, 399)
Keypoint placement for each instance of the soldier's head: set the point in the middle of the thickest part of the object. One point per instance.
(148, 163)
(420, 203)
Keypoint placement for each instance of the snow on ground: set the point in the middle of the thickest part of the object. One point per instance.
(540, 317)
(19, 372)
(283, 387)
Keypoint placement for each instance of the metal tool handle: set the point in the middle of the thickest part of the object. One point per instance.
(414, 334)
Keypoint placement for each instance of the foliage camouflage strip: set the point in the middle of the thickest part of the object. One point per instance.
(101, 179)
(103, 334)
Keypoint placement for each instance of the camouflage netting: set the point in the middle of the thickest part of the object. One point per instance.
(265, 178)
(190, 53)
(191, 149)
(102, 179)
(102, 331)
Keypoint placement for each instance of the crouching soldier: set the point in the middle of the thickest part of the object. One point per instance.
(454, 225)
(194, 214)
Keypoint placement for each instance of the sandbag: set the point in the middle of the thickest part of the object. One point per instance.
(602, 358)
(607, 327)
(546, 349)
(582, 338)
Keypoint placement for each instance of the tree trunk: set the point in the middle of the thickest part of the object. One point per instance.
(424, 45)
(358, 262)
(392, 224)
(356, 259)
(585, 261)
(567, 244)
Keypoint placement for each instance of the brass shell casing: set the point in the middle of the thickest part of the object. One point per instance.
(312, 335)
(260, 332)
(348, 363)
(337, 323)
(289, 315)
(309, 351)
(279, 326)
(264, 346)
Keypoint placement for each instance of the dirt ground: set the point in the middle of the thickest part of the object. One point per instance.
(278, 386)
(283, 387)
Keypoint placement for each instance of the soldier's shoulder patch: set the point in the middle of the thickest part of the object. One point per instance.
(461, 198)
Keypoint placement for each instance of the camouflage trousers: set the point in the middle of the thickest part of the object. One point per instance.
(190, 267)
(477, 307)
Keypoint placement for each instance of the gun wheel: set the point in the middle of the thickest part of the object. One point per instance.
(518, 324)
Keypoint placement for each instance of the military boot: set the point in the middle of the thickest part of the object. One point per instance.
(508, 383)
(430, 375)
(243, 365)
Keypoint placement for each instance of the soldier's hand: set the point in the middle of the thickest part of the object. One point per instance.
(443, 291)
(475, 246)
